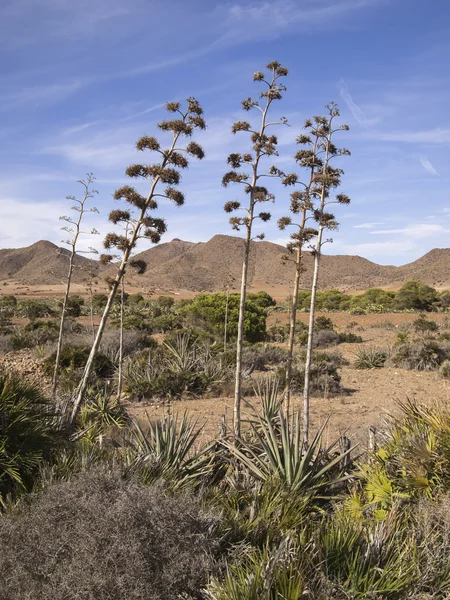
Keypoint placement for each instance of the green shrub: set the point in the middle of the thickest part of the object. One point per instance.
(74, 358)
(322, 323)
(350, 338)
(207, 312)
(415, 295)
(369, 357)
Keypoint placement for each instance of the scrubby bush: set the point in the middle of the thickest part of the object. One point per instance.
(325, 378)
(259, 357)
(35, 309)
(73, 358)
(105, 538)
(350, 338)
(420, 355)
(424, 325)
(444, 369)
(324, 338)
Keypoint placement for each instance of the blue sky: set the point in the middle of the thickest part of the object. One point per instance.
(81, 81)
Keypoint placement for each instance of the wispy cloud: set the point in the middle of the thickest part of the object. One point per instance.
(358, 114)
(426, 164)
(40, 94)
(366, 225)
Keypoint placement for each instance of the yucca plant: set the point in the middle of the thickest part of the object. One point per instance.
(166, 449)
(268, 393)
(30, 430)
(370, 358)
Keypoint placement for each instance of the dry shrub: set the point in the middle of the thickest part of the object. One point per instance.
(100, 537)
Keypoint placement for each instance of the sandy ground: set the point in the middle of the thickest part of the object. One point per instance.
(370, 396)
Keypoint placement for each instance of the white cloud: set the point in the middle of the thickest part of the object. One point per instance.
(429, 136)
(379, 249)
(417, 230)
(426, 164)
(43, 222)
(366, 225)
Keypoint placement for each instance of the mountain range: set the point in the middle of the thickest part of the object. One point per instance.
(211, 266)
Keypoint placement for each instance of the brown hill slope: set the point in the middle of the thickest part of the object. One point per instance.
(42, 263)
(208, 266)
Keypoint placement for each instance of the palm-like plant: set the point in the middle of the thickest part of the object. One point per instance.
(99, 414)
(30, 429)
(265, 574)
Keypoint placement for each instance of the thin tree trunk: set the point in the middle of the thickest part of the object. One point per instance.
(240, 336)
(66, 298)
(120, 375)
(292, 324)
(91, 310)
(226, 323)
(291, 342)
(312, 310)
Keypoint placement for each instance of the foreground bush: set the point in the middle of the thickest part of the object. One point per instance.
(99, 537)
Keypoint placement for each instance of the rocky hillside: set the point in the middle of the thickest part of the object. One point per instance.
(43, 263)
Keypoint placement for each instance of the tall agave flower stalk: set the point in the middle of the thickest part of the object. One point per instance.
(164, 172)
(325, 179)
(73, 229)
(246, 171)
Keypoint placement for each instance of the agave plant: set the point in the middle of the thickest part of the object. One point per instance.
(277, 452)
(165, 449)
